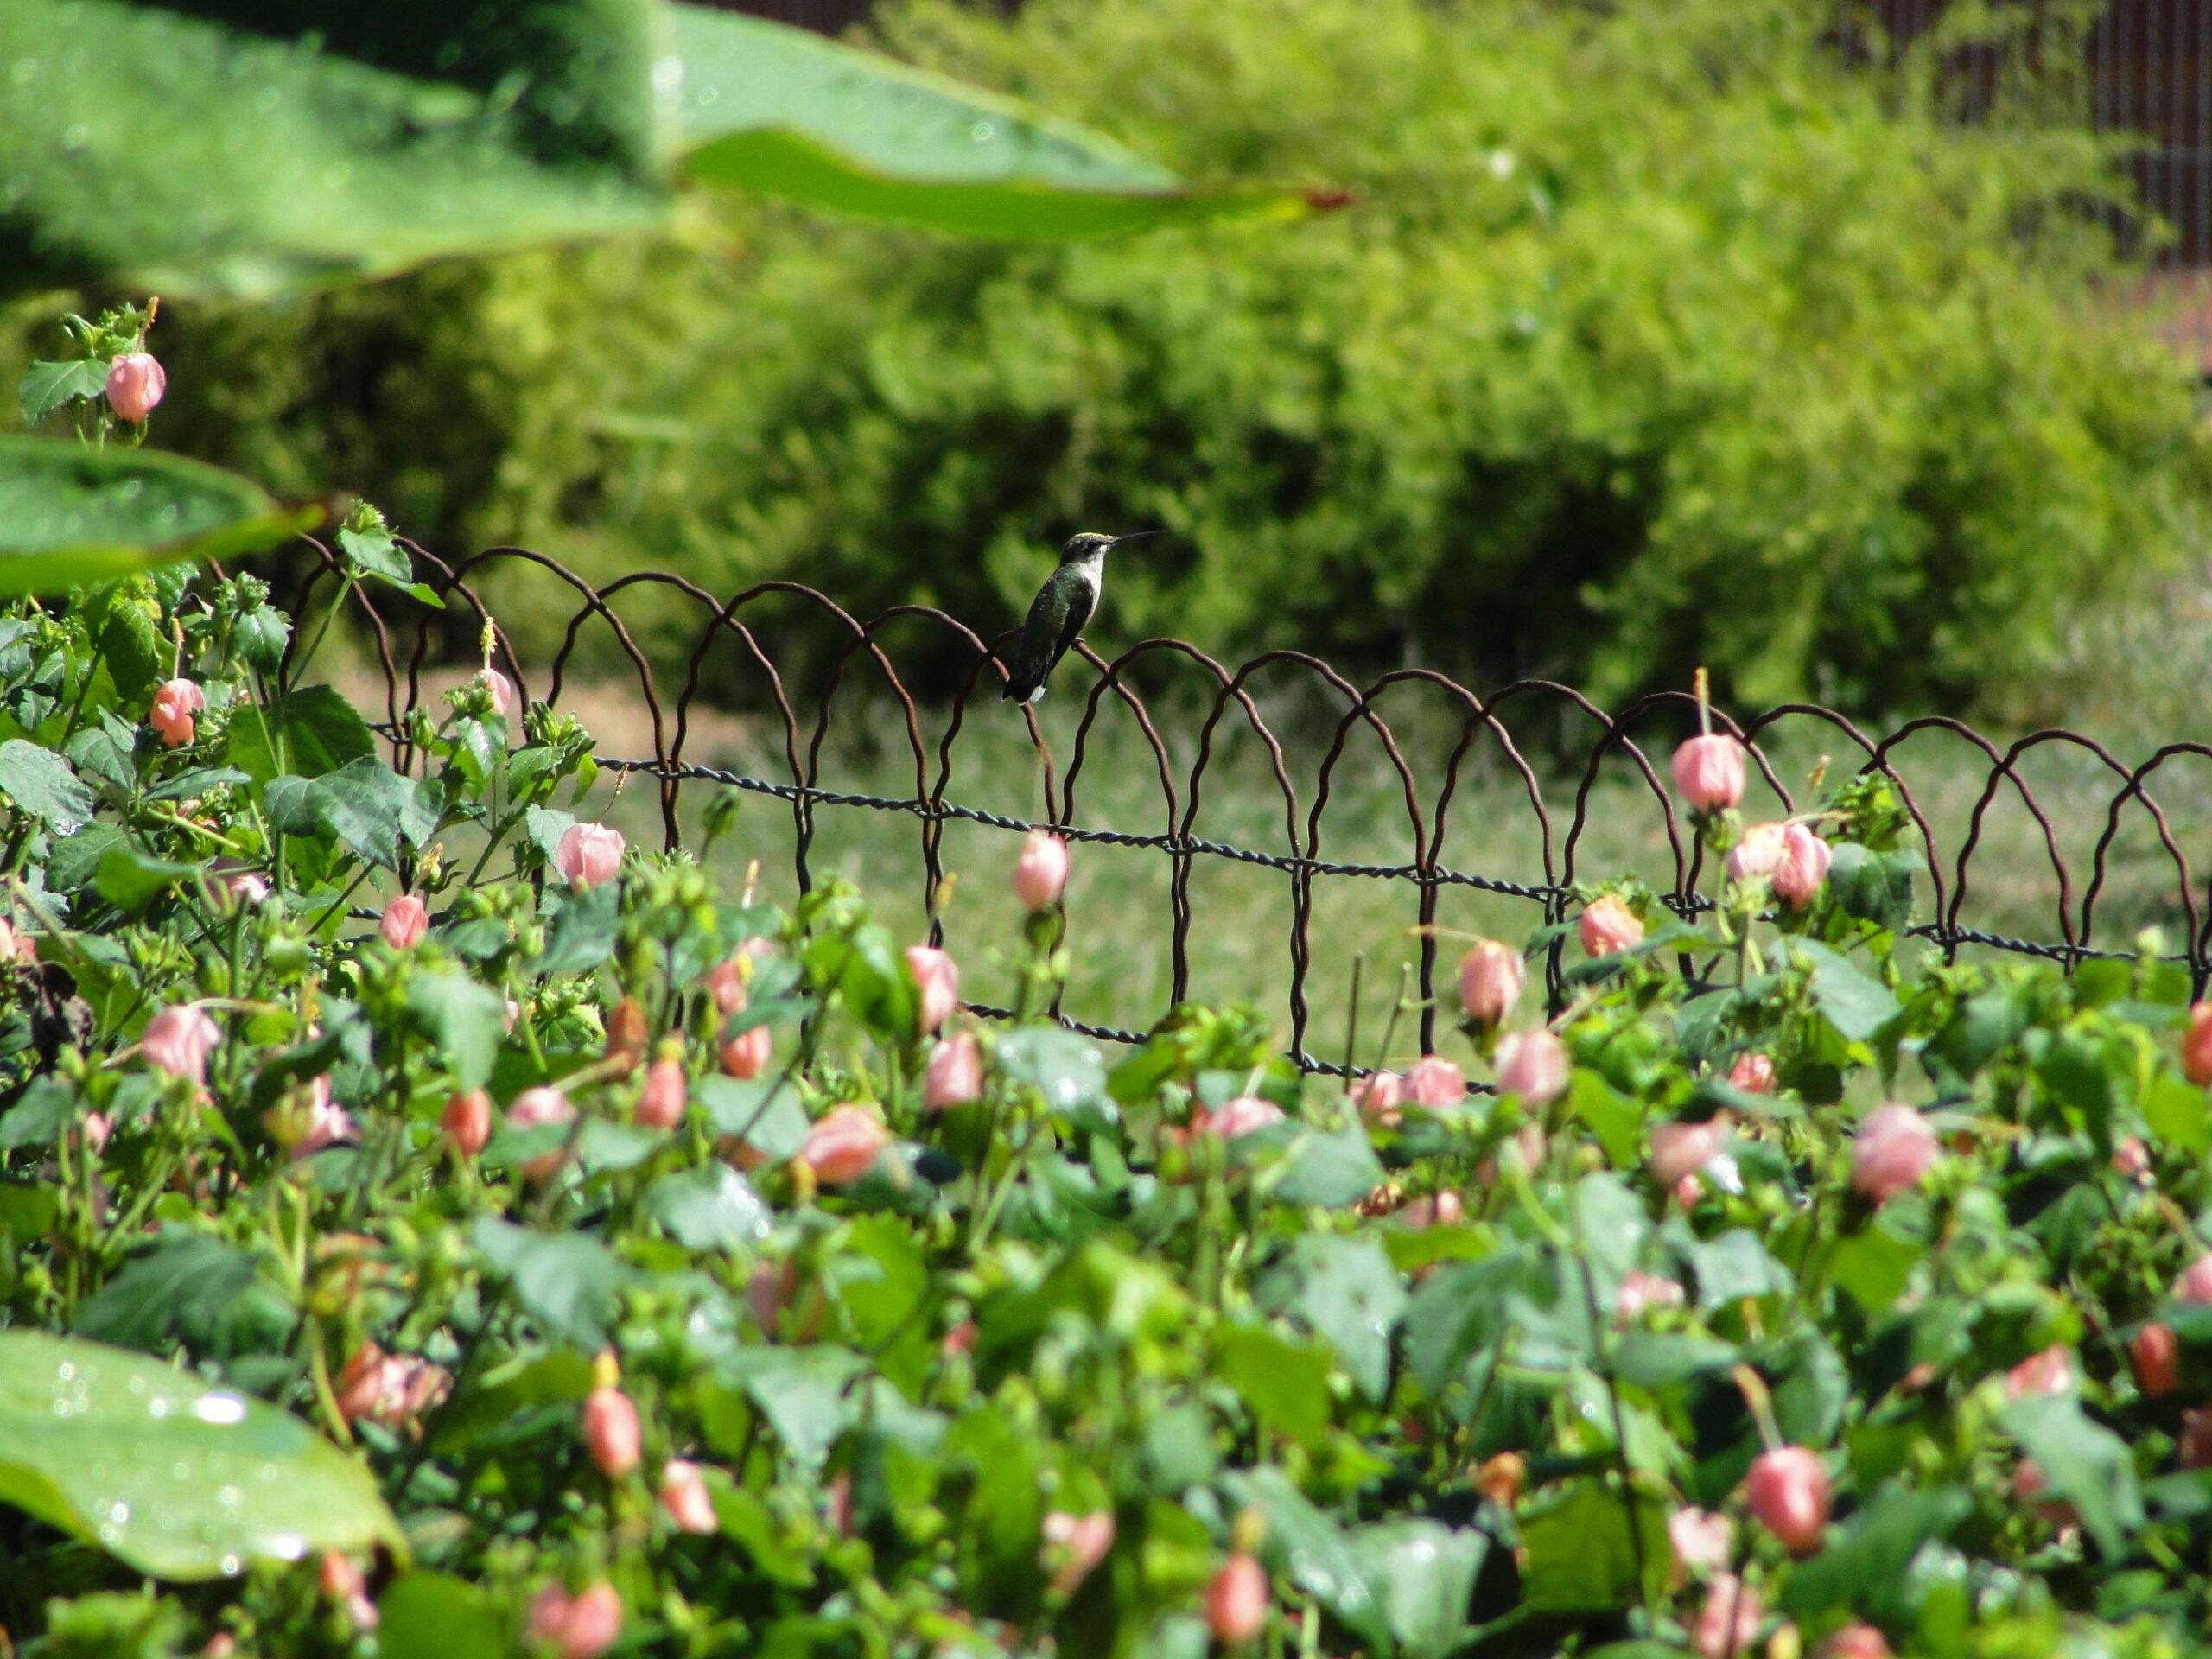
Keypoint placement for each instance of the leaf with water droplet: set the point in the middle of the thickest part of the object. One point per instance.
(134, 1456)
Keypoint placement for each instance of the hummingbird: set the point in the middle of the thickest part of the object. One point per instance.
(1063, 605)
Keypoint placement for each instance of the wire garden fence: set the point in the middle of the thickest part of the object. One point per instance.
(1555, 792)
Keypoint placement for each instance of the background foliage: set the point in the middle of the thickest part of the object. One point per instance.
(1654, 337)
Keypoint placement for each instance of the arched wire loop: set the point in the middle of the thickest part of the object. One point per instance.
(700, 621)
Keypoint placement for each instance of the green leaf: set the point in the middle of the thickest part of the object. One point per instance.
(423, 1615)
(372, 549)
(1873, 1267)
(172, 1476)
(305, 734)
(710, 1208)
(2086, 1464)
(70, 516)
(38, 1119)
(763, 1112)
(1615, 1118)
(262, 633)
(1345, 1291)
(1284, 1383)
(466, 1021)
(1873, 1549)
(40, 782)
(568, 1283)
(1856, 1006)
(1874, 887)
(194, 1287)
(802, 1392)
(778, 109)
(1423, 1575)
(2175, 1113)
(47, 386)
(131, 642)
(1309, 1548)
(582, 935)
(1329, 1168)
(1583, 1551)
(130, 881)
(1064, 1066)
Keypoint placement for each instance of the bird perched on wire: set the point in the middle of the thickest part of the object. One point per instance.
(1066, 602)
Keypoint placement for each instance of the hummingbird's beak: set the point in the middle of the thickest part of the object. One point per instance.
(1135, 535)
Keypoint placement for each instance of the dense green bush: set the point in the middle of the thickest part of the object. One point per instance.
(1654, 337)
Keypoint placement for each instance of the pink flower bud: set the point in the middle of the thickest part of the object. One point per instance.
(16, 947)
(179, 1039)
(327, 1123)
(2195, 1284)
(406, 919)
(246, 889)
(1490, 976)
(938, 976)
(1893, 1149)
(175, 702)
(96, 1128)
(532, 1109)
(2131, 1158)
(955, 1076)
(843, 1145)
(1787, 1492)
(1609, 926)
(1378, 1095)
(666, 1093)
(1709, 773)
(1436, 1082)
(1079, 1542)
(589, 854)
(1444, 1210)
(1728, 1623)
(1040, 874)
(1242, 1116)
(725, 982)
(466, 1121)
(1236, 1602)
(1533, 1064)
(1641, 1290)
(2155, 1354)
(582, 1626)
(2196, 1044)
(135, 384)
(388, 1389)
(340, 1577)
(1680, 1150)
(683, 1495)
(1759, 854)
(1803, 866)
(2050, 1371)
(2194, 1445)
(611, 1432)
(2029, 1485)
(507, 701)
(1527, 1144)
(1753, 1074)
(1704, 1541)
(1855, 1642)
(745, 1055)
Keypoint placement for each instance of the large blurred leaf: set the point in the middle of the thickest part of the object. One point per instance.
(261, 147)
(70, 516)
(171, 1476)
(777, 110)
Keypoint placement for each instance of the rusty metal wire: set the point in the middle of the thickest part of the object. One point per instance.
(404, 646)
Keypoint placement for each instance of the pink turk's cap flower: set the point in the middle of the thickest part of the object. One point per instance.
(327, 1123)
(955, 1076)
(1753, 1074)
(1893, 1149)
(533, 1108)
(246, 887)
(1378, 1095)
(2132, 1158)
(1444, 1210)
(725, 982)
(1855, 1642)
(938, 977)
(1787, 1492)
(16, 947)
(175, 702)
(340, 1577)
(1242, 1116)
(2196, 1044)
(406, 919)
(611, 1432)
(388, 1389)
(1609, 926)
(666, 1093)
(1803, 866)
(1040, 874)
(2195, 1284)
(135, 384)
(97, 1127)
(1435, 1081)
(2050, 1371)
(1759, 854)
(1680, 1150)
(466, 1121)
(1728, 1623)
(1533, 1064)
(2155, 1355)
(1490, 976)
(507, 701)
(745, 1055)
(1640, 1290)
(1079, 1542)
(589, 854)
(683, 1495)
(1526, 1143)
(1709, 773)
(843, 1145)
(1236, 1601)
(179, 1039)
(1704, 1541)
(582, 1626)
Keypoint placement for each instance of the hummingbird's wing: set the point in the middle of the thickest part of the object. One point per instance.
(1056, 616)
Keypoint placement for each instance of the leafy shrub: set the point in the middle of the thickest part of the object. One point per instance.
(1654, 337)
(766, 1318)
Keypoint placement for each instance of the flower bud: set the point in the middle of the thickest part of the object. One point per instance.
(1500, 1478)
(1443, 1209)
(135, 384)
(745, 1055)
(2132, 1158)
(532, 1109)
(611, 1432)
(1609, 927)
(683, 1495)
(2196, 1044)
(582, 1626)
(1787, 1492)
(2195, 1448)
(626, 1032)
(2050, 1371)
(1490, 976)
(1435, 1081)
(1680, 1150)
(1040, 874)
(1242, 1116)
(1728, 1623)
(1378, 1095)
(955, 1076)
(1704, 1541)
(1803, 868)
(1236, 1602)
(1855, 1642)
(179, 1039)
(175, 702)
(2195, 1284)
(406, 919)
(661, 1103)
(1893, 1149)
(843, 1145)
(937, 976)
(1532, 1066)
(1753, 1074)
(467, 1123)
(1641, 1290)
(588, 854)
(1759, 854)
(2155, 1355)
(1709, 773)
(1080, 1542)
